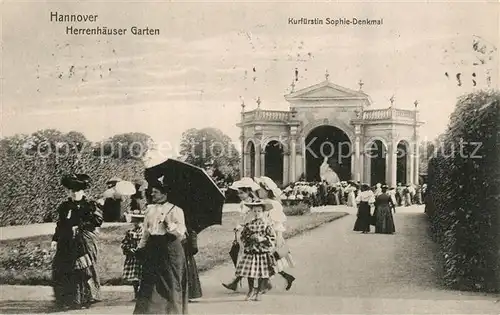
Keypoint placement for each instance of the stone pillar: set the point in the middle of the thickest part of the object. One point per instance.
(367, 169)
(263, 162)
(293, 160)
(412, 169)
(257, 160)
(355, 159)
(246, 165)
(286, 167)
(394, 165)
(417, 165)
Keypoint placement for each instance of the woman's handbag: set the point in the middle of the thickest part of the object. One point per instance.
(282, 251)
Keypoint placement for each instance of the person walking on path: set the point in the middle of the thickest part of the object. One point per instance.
(365, 200)
(384, 221)
(268, 193)
(74, 269)
(163, 288)
(190, 244)
(246, 188)
(258, 239)
(132, 268)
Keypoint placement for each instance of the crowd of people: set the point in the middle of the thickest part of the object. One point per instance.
(159, 248)
(345, 192)
(161, 245)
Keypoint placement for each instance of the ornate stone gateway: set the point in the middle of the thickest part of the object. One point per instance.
(327, 120)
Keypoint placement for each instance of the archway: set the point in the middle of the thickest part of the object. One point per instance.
(378, 153)
(332, 142)
(251, 164)
(402, 162)
(274, 162)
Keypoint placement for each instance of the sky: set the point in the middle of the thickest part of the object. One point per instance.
(196, 71)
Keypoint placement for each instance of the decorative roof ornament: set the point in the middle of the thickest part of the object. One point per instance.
(293, 86)
(360, 83)
(258, 102)
(327, 75)
(242, 104)
(416, 104)
(392, 100)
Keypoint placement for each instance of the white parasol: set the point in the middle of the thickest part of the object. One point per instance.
(125, 188)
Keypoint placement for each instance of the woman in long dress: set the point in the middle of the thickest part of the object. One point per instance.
(268, 192)
(351, 195)
(191, 249)
(164, 283)
(74, 269)
(384, 221)
(365, 200)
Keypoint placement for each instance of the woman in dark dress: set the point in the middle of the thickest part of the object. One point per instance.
(191, 249)
(384, 221)
(74, 271)
(164, 285)
(365, 199)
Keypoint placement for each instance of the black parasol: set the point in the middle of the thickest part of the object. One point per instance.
(192, 189)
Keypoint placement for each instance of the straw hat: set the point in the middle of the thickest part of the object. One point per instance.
(268, 184)
(259, 203)
(245, 182)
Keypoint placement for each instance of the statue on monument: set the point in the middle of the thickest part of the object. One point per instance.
(327, 174)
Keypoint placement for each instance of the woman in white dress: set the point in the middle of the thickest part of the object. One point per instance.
(268, 193)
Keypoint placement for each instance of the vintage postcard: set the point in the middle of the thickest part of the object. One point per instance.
(252, 157)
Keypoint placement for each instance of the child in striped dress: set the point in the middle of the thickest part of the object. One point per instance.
(258, 239)
(132, 267)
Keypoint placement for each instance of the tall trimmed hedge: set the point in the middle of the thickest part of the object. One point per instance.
(464, 186)
(30, 188)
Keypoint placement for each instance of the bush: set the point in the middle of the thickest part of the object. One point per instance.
(30, 177)
(464, 183)
(26, 255)
(299, 209)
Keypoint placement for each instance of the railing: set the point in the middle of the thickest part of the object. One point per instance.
(266, 115)
(388, 113)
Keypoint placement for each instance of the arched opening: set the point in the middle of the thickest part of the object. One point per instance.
(378, 153)
(251, 164)
(402, 162)
(333, 143)
(274, 162)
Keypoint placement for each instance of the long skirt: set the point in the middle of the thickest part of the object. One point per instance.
(164, 285)
(384, 221)
(194, 284)
(74, 271)
(364, 218)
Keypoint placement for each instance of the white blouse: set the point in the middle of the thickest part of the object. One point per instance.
(158, 217)
(366, 196)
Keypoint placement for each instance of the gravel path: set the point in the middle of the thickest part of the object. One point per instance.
(338, 271)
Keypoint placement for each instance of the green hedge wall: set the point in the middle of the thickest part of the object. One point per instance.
(30, 187)
(464, 183)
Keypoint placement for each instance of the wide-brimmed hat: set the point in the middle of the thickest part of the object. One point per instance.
(114, 180)
(384, 187)
(259, 203)
(245, 182)
(76, 182)
(268, 184)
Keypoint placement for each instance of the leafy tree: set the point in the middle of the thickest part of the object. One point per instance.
(133, 145)
(210, 146)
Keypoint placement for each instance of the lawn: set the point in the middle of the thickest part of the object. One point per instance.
(20, 263)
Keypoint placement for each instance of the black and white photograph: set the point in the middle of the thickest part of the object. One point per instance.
(232, 157)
